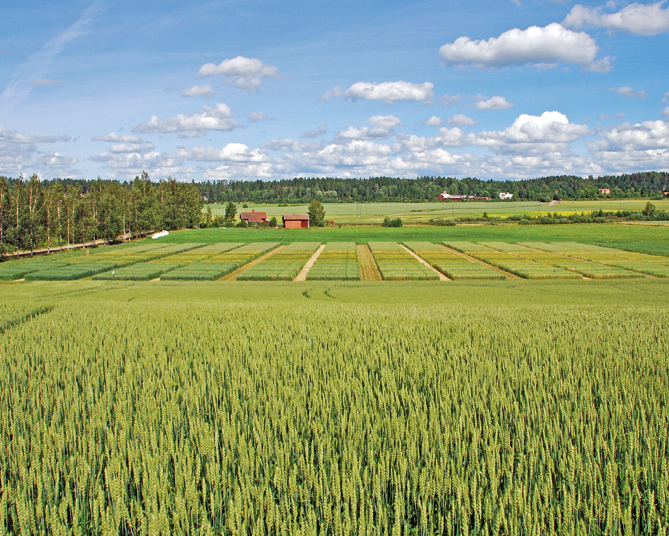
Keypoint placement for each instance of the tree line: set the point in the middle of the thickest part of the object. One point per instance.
(388, 189)
(48, 214)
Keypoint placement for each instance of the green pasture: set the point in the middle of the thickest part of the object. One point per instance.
(368, 213)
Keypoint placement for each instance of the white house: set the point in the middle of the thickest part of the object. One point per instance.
(505, 195)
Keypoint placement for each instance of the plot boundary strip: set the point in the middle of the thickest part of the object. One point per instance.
(369, 271)
(302, 276)
(442, 277)
(452, 263)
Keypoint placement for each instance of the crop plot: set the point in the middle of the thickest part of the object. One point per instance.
(216, 266)
(397, 264)
(90, 265)
(555, 254)
(338, 261)
(628, 260)
(520, 266)
(452, 264)
(284, 265)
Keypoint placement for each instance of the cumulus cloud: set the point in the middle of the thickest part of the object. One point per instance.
(539, 46)
(628, 136)
(232, 152)
(531, 134)
(198, 91)
(461, 120)
(113, 137)
(639, 19)
(383, 126)
(493, 103)
(242, 72)
(387, 92)
(434, 121)
(629, 92)
(21, 153)
(292, 146)
(191, 125)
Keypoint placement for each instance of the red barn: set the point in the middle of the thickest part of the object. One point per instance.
(253, 217)
(296, 221)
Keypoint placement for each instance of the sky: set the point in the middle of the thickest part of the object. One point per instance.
(269, 89)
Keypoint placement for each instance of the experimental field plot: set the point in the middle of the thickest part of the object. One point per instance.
(555, 254)
(89, 265)
(223, 263)
(509, 262)
(338, 261)
(397, 264)
(638, 262)
(283, 265)
(450, 263)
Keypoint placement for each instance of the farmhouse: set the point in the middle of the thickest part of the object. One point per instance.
(505, 195)
(253, 217)
(296, 221)
(605, 191)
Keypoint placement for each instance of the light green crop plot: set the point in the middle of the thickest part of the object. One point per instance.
(338, 261)
(520, 266)
(451, 264)
(283, 265)
(396, 264)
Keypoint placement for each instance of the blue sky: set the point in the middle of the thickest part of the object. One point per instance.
(263, 89)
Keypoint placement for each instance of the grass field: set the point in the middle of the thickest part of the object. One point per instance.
(494, 407)
(368, 213)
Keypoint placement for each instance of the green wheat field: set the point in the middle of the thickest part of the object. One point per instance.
(527, 395)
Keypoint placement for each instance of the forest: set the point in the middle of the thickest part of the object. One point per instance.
(49, 214)
(387, 189)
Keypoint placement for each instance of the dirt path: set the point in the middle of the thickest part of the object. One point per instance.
(302, 276)
(442, 277)
(369, 271)
(232, 276)
(508, 275)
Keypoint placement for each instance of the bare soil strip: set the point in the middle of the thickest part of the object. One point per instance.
(302, 276)
(442, 277)
(369, 271)
(232, 276)
(508, 275)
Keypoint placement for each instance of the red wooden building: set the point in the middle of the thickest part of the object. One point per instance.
(296, 221)
(253, 217)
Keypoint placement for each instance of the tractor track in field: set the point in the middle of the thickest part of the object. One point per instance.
(369, 271)
(302, 276)
(232, 276)
(442, 277)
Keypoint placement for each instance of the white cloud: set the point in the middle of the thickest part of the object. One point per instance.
(539, 46)
(628, 136)
(493, 103)
(20, 153)
(629, 92)
(666, 97)
(449, 100)
(232, 152)
(665, 112)
(639, 19)
(113, 137)
(198, 91)
(292, 146)
(256, 117)
(191, 125)
(461, 120)
(383, 126)
(531, 134)
(387, 92)
(242, 72)
(434, 121)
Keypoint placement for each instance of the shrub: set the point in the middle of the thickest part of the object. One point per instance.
(388, 222)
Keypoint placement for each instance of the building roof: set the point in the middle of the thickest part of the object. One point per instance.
(253, 216)
(296, 217)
